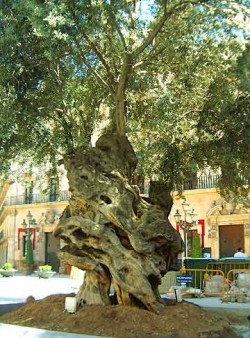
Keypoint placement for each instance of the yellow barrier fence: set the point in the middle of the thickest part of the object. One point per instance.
(199, 282)
(226, 266)
(210, 282)
(239, 288)
(235, 287)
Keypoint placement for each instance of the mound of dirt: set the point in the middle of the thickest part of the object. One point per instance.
(181, 320)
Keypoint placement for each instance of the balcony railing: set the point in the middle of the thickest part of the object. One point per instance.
(203, 182)
(37, 198)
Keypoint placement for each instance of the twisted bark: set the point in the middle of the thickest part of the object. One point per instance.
(111, 232)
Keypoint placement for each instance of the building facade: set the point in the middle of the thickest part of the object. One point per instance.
(222, 227)
(44, 199)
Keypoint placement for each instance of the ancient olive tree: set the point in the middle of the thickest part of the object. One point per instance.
(60, 61)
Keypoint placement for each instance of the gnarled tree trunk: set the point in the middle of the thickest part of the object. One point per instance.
(111, 232)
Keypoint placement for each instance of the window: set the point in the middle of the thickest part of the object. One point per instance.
(28, 194)
(53, 192)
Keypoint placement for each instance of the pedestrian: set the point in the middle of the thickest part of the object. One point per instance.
(239, 253)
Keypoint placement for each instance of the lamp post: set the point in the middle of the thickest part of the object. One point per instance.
(29, 247)
(183, 222)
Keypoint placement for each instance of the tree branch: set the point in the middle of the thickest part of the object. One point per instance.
(94, 49)
(91, 69)
(166, 15)
(112, 17)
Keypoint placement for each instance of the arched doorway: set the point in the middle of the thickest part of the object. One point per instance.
(228, 228)
(231, 237)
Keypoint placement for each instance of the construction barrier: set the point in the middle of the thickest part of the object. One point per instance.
(229, 264)
(235, 287)
(239, 288)
(198, 282)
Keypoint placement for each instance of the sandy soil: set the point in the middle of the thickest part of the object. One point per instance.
(181, 320)
(235, 317)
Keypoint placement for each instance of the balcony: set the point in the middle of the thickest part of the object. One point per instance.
(203, 182)
(37, 198)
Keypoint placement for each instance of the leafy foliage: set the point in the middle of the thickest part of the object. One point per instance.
(195, 104)
(177, 75)
(43, 268)
(196, 247)
(7, 266)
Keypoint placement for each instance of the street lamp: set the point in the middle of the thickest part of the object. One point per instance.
(183, 223)
(29, 247)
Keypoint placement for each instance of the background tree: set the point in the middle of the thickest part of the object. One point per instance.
(196, 93)
(59, 62)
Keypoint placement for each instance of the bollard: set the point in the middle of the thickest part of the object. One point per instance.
(178, 295)
(70, 304)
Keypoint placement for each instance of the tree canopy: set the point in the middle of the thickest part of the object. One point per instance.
(173, 73)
